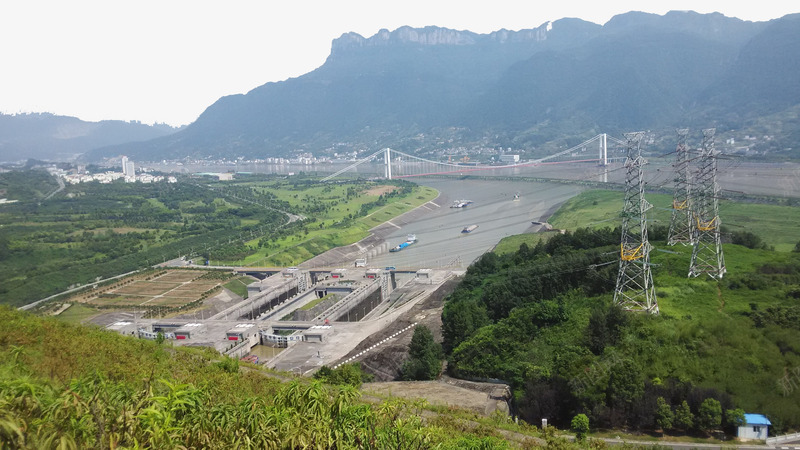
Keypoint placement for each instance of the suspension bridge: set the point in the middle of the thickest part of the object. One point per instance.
(397, 164)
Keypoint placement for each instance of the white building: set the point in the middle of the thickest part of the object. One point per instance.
(128, 170)
(755, 427)
(509, 159)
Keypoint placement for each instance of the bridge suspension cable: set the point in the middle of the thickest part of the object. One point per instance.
(430, 167)
(462, 168)
(352, 166)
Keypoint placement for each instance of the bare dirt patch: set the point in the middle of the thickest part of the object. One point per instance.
(380, 190)
(434, 392)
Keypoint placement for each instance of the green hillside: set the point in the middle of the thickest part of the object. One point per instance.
(774, 224)
(541, 319)
(74, 387)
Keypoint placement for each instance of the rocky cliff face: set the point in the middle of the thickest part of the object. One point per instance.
(436, 36)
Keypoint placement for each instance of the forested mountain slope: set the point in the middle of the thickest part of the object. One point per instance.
(540, 319)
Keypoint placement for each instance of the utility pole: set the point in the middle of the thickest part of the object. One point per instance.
(707, 254)
(680, 226)
(635, 290)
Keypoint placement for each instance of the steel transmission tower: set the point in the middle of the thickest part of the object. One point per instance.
(635, 290)
(707, 251)
(680, 226)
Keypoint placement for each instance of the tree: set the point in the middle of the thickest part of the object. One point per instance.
(5, 248)
(683, 419)
(664, 416)
(580, 425)
(709, 415)
(625, 384)
(597, 331)
(425, 356)
(735, 417)
(461, 317)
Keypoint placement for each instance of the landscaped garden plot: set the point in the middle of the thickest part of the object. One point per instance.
(149, 288)
(203, 285)
(180, 276)
(170, 301)
(119, 302)
(170, 289)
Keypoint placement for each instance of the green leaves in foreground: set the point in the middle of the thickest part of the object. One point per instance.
(93, 412)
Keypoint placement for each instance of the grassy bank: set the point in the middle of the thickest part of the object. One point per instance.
(775, 225)
(341, 215)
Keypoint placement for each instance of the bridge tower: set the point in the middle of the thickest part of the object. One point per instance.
(680, 226)
(603, 149)
(635, 290)
(387, 160)
(707, 254)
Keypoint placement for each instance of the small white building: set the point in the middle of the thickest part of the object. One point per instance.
(755, 427)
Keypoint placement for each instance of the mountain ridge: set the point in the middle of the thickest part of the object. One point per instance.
(520, 88)
(53, 137)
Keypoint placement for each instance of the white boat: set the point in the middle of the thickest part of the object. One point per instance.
(461, 203)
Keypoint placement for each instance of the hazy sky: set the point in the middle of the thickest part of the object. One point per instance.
(167, 60)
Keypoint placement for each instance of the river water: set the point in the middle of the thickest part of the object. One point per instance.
(440, 242)
(494, 209)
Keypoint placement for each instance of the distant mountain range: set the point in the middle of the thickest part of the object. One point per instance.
(61, 138)
(422, 89)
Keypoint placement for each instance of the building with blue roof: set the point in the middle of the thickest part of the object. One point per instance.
(755, 427)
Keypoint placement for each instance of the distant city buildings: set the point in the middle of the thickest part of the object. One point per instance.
(128, 174)
(128, 170)
(509, 159)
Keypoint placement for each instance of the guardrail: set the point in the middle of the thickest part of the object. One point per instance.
(783, 438)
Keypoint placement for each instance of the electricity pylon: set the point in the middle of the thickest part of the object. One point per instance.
(680, 226)
(635, 290)
(707, 251)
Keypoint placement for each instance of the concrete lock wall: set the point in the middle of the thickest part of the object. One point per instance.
(308, 315)
(243, 348)
(365, 304)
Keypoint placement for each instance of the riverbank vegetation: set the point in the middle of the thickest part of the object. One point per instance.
(774, 224)
(337, 214)
(92, 231)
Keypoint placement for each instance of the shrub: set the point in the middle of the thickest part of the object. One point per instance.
(580, 425)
